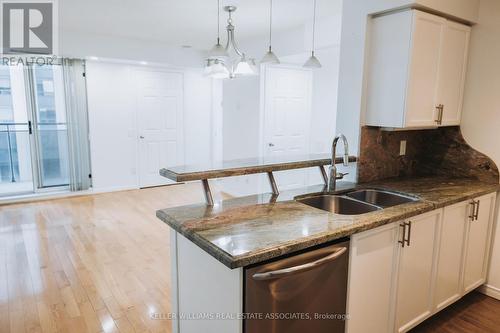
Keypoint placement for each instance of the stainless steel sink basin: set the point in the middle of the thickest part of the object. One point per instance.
(338, 205)
(380, 198)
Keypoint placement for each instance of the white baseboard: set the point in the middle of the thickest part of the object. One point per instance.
(490, 291)
(33, 197)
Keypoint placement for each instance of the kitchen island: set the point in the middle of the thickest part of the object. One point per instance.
(212, 246)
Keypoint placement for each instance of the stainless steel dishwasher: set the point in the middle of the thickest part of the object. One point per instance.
(302, 293)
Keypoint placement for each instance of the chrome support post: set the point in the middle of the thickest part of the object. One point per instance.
(272, 182)
(208, 194)
(323, 174)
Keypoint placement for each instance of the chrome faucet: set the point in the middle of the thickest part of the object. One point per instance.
(334, 175)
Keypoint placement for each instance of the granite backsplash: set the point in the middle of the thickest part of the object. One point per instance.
(432, 152)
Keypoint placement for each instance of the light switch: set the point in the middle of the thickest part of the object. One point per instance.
(402, 148)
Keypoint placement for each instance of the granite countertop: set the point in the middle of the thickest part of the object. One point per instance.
(248, 230)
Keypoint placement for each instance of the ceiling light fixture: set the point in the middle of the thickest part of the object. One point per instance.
(313, 62)
(219, 63)
(270, 57)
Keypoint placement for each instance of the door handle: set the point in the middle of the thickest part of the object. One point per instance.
(30, 128)
(300, 268)
(141, 137)
(270, 144)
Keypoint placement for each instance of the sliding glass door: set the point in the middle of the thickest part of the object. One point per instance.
(16, 173)
(33, 130)
(50, 126)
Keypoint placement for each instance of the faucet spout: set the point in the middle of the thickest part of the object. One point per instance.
(334, 175)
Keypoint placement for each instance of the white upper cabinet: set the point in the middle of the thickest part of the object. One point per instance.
(452, 70)
(416, 70)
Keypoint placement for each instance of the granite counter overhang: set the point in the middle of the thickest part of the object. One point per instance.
(243, 231)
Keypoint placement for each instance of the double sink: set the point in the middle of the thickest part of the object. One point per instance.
(357, 202)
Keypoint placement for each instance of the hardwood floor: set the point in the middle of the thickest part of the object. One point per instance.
(475, 313)
(88, 264)
(101, 264)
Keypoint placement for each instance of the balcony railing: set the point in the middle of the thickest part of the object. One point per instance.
(8, 129)
(52, 152)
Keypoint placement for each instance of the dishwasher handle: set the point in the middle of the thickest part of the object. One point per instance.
(300, 268)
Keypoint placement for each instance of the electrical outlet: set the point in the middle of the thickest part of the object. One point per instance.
(402, 148)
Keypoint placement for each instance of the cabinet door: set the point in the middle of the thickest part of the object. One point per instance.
(416, 266)
(452, 69)
(371, 280)
(423, 72)
(478, 244)
(451, 254)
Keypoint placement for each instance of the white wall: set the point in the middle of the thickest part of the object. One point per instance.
(113, 133)
(481, 113)
(241, 105)
(199, 117)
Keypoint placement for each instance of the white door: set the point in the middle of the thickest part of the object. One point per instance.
(451, 254)
(452, 70)
(424, 67)
(478, 244)
(160, 124)
(373, 257)
(287, 114)
(415, 279)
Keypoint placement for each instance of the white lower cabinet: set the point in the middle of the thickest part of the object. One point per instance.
(451, 253)
(371, 280)
(402, 273)
(478, 241)
(416, 270)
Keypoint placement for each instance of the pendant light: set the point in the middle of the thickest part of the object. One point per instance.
(218, 50)
(270, 57)
(313, 62)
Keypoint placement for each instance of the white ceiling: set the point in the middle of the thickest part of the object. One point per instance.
(185, 22)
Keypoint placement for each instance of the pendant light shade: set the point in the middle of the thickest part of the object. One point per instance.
(313, 62)
(219, 71)
(218, 50)
(243, 67)
(270, 57)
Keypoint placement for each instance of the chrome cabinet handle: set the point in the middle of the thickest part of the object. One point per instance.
(403, 241)
(270, 144)
(406, 238)
(300, 268)
(409, 234)
(440, 109)
(141, 137)
(472, 210)
(476, 215)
